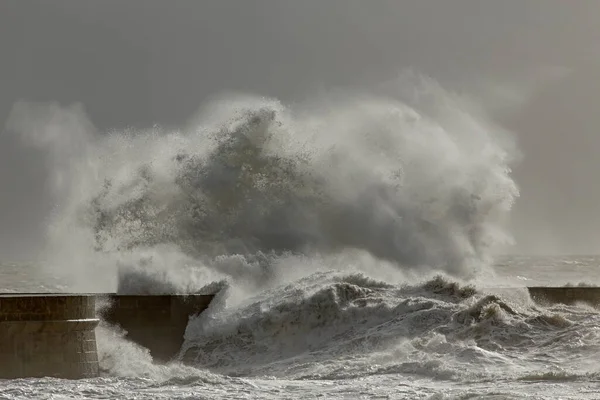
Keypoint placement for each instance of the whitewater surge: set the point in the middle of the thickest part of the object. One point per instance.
(338, 326)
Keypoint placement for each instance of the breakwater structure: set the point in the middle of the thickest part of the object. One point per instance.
(156, 322)
(565, 295)
(53, 335)
(48, 335)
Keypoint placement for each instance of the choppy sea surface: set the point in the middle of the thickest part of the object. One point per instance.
(337, 334)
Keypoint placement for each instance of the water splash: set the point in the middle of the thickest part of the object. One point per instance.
(419, 181)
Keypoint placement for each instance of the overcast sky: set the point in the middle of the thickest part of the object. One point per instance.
(139, 62)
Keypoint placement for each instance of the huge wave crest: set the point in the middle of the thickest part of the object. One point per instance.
(420, 181)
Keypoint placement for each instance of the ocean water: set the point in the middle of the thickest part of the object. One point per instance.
(350, 242)
(342, 334)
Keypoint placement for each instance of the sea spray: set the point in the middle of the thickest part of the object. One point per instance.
(421, 182)
(260, 201)
(339, 235)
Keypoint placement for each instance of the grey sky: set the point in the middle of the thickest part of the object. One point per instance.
(140, 62)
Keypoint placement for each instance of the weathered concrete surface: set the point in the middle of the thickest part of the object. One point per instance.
(157, 322)
(566, 295)
(48, 335)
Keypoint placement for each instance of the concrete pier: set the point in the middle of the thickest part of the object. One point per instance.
(565, 295)
(48, 336)
(157, 322)
(52, 335)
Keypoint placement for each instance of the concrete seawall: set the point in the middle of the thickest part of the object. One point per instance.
(565, 295)
(48, 335)
(53, 334)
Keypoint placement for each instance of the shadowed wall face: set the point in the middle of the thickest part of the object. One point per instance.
(565, 295)
(156, 322)
(137, 63)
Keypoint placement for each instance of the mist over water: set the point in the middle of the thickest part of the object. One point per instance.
(418, 180)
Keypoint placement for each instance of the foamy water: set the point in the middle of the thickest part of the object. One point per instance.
(339, 334)
(350, 242)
